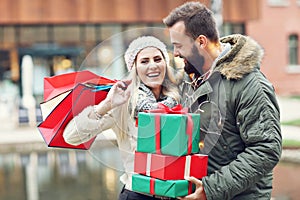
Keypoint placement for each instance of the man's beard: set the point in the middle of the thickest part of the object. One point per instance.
(194, 63)
(191, 69)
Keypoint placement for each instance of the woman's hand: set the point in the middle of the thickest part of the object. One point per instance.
(117, 95)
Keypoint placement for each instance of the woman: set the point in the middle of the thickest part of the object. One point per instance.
(151, 81)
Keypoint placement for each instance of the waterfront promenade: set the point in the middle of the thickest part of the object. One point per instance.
(10, 134)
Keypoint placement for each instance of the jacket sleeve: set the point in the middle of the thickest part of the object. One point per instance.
(82, 128)
(258, 121)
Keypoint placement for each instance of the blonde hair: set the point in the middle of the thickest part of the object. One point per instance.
(169, 88)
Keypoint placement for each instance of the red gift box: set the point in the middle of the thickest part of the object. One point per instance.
(170, 167)
(60, 109)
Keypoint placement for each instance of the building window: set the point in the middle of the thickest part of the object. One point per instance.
(233, 28)
(66, 34)
(278, 2)
(89, 33)
(294, 65)
(4, 64)
(293, 49)
(32, 34)
(7, 35)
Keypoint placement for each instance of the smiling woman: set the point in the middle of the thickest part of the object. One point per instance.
(151, 68)
(153, 78)
(150, 82)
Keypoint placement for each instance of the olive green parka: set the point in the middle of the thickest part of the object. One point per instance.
(240, 123)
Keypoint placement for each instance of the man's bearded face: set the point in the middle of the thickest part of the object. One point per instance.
(193, 62)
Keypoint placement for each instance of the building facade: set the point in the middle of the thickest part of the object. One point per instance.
(278, 31)
(66, 35)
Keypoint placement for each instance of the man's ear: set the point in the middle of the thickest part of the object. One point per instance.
(201, 41)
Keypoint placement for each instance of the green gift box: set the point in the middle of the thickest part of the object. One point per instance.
(158, 187)
(169, 134)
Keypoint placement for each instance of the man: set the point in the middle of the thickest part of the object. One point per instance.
(239, 111)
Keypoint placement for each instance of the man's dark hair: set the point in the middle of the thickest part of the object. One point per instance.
(197, 18)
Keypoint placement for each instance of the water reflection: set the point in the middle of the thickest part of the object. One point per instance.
(59, 175)
(63, 174)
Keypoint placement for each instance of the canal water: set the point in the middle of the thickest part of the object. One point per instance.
(60, 174)
(39, 173)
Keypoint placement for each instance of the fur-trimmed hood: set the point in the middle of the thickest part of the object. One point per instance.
(244, 56)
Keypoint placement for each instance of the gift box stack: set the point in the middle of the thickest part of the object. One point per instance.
(167, 147)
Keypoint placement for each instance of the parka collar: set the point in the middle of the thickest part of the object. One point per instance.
(191, 96)
(245, 55)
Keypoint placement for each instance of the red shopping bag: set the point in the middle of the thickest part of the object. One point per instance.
(63, 107)
(58, 84)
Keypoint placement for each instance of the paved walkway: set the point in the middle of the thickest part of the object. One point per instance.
(23, 135)
(289, 109)
(9, 134)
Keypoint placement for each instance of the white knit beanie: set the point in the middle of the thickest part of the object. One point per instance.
(139, 44)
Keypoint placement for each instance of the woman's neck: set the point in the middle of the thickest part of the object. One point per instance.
(156, 91)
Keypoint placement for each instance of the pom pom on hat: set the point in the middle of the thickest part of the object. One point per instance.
(141, 43)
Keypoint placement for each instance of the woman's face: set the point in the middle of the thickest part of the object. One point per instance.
(151, 67)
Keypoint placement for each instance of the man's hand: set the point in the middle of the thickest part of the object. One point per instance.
(199, 193)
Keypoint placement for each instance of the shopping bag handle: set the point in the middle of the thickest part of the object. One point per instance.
(101, 87)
